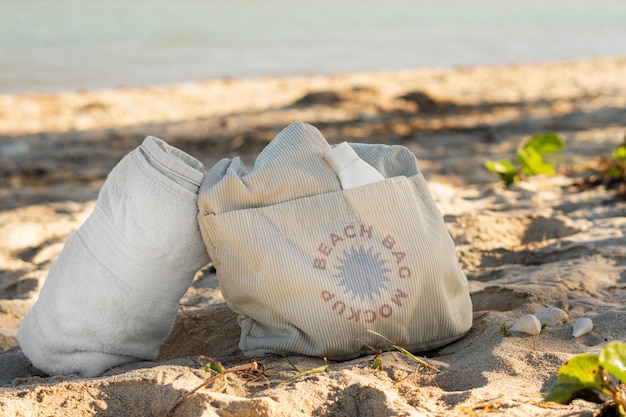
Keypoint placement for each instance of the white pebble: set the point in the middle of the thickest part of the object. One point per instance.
(527, 324)
(552, 316)
(582, 326)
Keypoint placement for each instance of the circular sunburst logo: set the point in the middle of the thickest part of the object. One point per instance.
(362, 272)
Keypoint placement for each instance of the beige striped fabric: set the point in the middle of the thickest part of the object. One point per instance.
(314, 269)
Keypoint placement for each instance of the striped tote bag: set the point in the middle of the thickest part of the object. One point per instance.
(315, 269)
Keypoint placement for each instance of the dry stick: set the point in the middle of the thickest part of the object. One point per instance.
(290, 362)
(317, 370)
(221, 372)
(422, 362)
(428, 367)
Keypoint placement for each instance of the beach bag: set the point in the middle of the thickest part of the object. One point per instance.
(315, 269)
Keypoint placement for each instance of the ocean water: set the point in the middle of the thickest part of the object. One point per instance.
(53, 45)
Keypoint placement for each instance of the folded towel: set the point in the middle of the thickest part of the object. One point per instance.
(112, 295)
(315, 269)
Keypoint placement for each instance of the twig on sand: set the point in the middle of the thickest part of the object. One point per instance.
(306, 372)
(221, 372)
(402, 350)
(430, 369)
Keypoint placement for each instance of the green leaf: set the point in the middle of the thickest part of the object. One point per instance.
(377, 364)
(619, 154)
(547, 142)
(581, 370)
(214, 366)
(613, 359)
(501, 166)
(563, 393)
(503, 169)
(579, 373)
(614, 172)
(532, 162)
(504, 330)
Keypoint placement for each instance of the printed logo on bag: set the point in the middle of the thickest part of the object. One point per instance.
(367, 267)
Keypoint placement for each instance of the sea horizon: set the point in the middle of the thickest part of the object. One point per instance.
(81, 44)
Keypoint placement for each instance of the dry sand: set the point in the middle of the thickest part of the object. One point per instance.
(543, 242)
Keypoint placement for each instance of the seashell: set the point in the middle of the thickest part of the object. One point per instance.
(527, 324)
(552, 316)
(582, 326)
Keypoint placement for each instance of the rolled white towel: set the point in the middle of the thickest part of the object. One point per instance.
(112, 295)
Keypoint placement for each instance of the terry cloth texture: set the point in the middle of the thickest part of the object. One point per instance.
(112, 295)
(311, 268)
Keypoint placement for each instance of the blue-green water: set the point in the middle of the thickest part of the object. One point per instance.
(51, 45)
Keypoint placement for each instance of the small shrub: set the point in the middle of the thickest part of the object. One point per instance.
(616, 169)
(609, 171)
(595, 378)
(530, 159)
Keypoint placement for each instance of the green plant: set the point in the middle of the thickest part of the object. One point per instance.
(216, 367)
(306, 372)
(504, 330)
(377, 362)
(529, 159)
(595, 378)
(408, 354)
(609, 171)
(616, 169)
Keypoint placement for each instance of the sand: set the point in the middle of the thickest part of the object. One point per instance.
(541, 242)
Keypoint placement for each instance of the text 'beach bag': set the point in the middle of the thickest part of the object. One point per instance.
(315, 269)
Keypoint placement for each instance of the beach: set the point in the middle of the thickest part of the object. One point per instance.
(542, 242)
